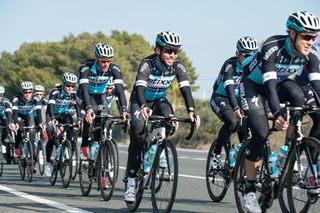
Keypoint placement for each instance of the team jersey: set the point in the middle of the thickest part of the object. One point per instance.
(228, 81)
(59, 101)
(23, 107)
(6, 109)
(94, 82)
(275, 62)
(155, 81)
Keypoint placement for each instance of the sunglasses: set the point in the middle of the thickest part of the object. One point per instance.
(104, 60)
(27, 92)
(37, 94)
(69, 85)
(109, 88)
(308, 37)
(170, 51)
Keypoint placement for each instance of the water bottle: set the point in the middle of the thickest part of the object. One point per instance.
(232, 157)
(35, 145)
(273, 165)
(148, 158)
(94, 150)
(282, 156)
(24, 150)
(58, 151)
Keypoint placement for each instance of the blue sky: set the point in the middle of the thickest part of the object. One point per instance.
(209, 28)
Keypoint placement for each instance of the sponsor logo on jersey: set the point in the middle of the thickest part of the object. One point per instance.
(269, 52)
(143, 67)
(182, 67)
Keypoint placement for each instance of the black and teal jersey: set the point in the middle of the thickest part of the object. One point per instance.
(228, 81)
(24, 108)
(153, 81)
(6, 109)
(276, 62)
(60, 101)
(94, 82)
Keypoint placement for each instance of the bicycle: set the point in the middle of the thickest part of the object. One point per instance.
(218, 180)
(10, 141)
(61, 156)
(162, 178)
(269, 188)
(25, 159)
(102, 164)
(75, 153)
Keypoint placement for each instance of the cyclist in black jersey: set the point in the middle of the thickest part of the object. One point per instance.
(5, 116)
(95, 76)
(23, 107)
(155, 75)
(268, 74)
(60, 99)
(224, 99)
(38, 91)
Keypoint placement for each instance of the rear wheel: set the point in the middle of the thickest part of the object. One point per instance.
(299, 196)
(116, 155)
(107, 170)
(164, 180)
(66, 163)
(218, 181)
(86, 176)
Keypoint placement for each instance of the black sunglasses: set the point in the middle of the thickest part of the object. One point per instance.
(170, 51)
(69, 85)
(308, 37)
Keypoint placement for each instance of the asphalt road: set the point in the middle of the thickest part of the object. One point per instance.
(38, 196)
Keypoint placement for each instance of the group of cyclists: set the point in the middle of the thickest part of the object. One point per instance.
(259, 78)
(253, 82)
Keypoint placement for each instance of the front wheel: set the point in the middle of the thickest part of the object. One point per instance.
(116, 155)
(217, 181)
(75, 159)
(1, 158)
(41, 156)
(164, 180)
(86, 174)
(300, 191)
(107, 170)
(29, 161)
(66, 163)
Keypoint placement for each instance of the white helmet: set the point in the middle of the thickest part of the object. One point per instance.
(103, 51)
(69, 77)
(303, 21)
(247, 44)
(2, 90)
(167, 38)
(38, 88)
(26, 85)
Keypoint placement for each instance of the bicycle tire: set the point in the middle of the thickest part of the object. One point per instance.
(75, 159)
(21, 162)
(116, 155)
(85, 176)
(65, 161)
(1, 158)
(107, 170)
(307, 144)
(217, 182)
(160, 202)
(41, 156)
(54, 175)
(29, 161)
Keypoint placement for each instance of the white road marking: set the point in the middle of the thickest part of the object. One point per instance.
(179, 157)
(44, 201)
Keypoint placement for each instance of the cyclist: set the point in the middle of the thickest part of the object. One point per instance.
(95, 76)
(268, 75)
(23, 107)
(156, 74)
(38, 91)
(60, 98)
(5, 116)
(224, 99)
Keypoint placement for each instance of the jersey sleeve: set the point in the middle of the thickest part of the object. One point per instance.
(118, 82)
(51, 103)
(141, 82)
(84, 85)
(228, 72)
(184, 85)
(314, 73)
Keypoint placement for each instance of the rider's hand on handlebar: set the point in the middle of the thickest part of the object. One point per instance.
(237, 113)
(195, 119)
(12, 127)
(280, 123)
(89, 115)
(53, 122)
(145, 112)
